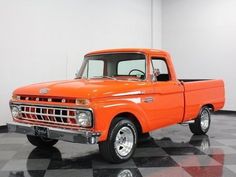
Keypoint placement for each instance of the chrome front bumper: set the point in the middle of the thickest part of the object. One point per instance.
(80, 136)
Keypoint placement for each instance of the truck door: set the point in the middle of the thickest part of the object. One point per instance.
(168, 95)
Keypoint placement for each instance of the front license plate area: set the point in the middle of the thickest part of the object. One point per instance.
(41, 131)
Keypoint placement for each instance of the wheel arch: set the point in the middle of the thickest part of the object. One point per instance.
(210, 106)
(130, 116)
(109, 111)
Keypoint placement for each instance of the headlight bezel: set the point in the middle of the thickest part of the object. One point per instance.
(15, 116)
(80, 119)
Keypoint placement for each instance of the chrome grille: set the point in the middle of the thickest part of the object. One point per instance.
(64, 116)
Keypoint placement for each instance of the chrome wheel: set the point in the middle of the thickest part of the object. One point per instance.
(124, 141)
(125, 173)
(202, 122)
(205, 120)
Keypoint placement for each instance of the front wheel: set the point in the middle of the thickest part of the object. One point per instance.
(40, 141)
(202, 123)
(121, 142)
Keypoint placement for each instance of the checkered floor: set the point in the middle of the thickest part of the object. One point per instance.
(173, 152)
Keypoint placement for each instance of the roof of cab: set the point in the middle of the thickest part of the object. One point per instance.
(141, 50)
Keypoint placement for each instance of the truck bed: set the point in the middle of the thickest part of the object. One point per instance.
(199, 92)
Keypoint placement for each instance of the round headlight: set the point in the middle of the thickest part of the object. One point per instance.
(15, 111)
(84, 118)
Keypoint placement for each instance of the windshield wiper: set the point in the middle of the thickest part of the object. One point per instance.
(108, 77)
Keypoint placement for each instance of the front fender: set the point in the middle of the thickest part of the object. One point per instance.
(106, 110)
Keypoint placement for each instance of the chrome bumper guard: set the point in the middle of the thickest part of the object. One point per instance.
(80, 136)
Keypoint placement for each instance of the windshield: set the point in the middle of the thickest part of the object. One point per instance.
(123, 66)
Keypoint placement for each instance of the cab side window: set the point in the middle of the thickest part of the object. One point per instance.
(159, 70)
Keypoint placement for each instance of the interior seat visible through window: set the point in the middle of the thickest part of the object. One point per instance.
(161, 70)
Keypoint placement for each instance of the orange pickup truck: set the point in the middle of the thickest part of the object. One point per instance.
(118, 96)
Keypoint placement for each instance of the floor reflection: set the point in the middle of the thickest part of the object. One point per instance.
(17, 174)
(153, 158)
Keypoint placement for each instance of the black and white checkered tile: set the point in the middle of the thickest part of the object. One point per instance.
(173, 152)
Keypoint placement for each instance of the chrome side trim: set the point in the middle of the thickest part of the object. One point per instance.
(129, 93)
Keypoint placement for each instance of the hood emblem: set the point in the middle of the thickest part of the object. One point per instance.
(43, 91)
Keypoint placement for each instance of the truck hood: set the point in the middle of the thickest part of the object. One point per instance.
(82, 88)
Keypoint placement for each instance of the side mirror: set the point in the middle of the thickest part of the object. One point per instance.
(154, 78)
(76, 75)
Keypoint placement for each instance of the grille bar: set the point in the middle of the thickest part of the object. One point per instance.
(46, 99)
(63, 116)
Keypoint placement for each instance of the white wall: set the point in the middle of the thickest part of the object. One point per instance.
(157, 24)
(46, 40)
(201, 36)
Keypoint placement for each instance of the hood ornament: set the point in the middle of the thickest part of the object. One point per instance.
(43, 91)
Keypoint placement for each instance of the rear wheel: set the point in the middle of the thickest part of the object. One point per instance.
(202, 123)
(40, 141)
(121, 142)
